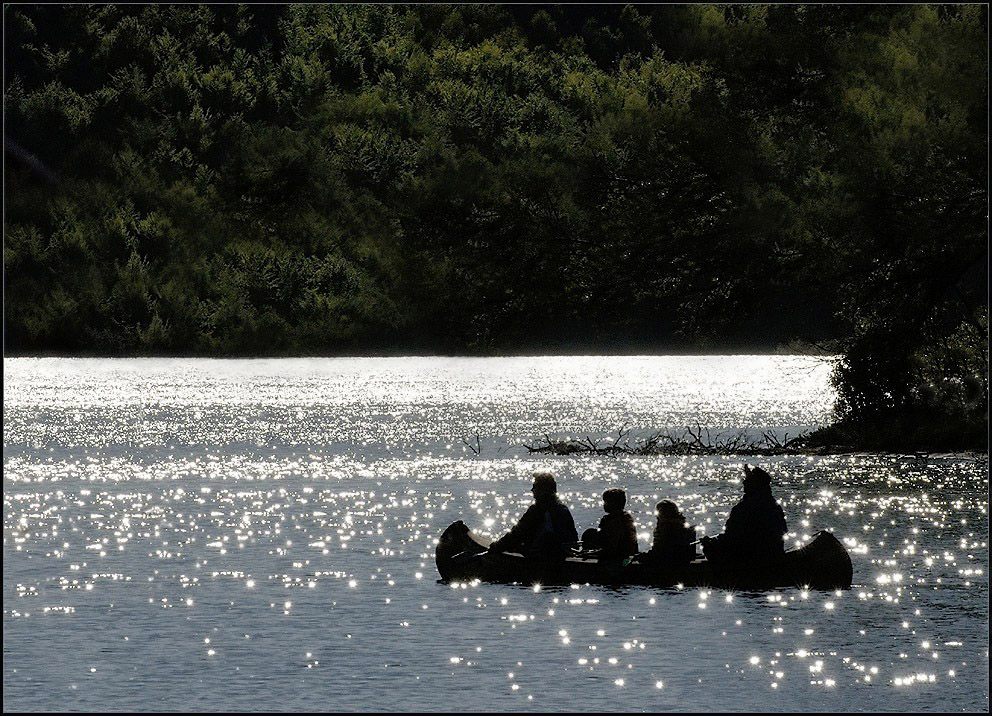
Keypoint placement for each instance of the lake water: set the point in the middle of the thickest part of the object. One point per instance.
(259, 535)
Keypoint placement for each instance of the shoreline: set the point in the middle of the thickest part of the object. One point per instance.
(673, 352)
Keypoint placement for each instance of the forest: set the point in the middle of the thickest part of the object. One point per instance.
(271, 180)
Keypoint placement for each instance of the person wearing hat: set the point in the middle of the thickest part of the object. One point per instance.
(545, 528)
(754, 532)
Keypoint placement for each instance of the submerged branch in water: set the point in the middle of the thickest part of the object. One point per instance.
(692, 441)
(477, 447)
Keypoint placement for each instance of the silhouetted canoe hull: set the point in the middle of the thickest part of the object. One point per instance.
(462, 555)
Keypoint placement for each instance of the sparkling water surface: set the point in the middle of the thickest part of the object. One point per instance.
(259, 535)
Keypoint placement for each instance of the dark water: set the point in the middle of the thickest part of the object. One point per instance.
(259, 535)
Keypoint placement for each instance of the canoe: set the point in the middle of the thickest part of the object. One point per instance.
(462, 556)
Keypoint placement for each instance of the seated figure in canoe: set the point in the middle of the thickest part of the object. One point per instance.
(616, 537)
(753, 535)
(546, 530)
(674, 543)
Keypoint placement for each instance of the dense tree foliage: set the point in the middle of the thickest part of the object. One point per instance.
(320, 179)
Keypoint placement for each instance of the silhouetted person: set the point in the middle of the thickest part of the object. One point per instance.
(754, 531)
(545, 529)
(616, 536)
(674, 543)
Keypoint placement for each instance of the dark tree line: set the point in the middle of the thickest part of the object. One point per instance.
(322, 179)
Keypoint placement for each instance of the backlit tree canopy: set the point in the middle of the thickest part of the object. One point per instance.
(324, 179)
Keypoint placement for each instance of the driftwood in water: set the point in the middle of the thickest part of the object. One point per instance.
(696, 441)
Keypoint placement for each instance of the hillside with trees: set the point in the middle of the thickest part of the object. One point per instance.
(348, 179)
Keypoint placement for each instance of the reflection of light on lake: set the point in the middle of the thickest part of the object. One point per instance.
(258, 507)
